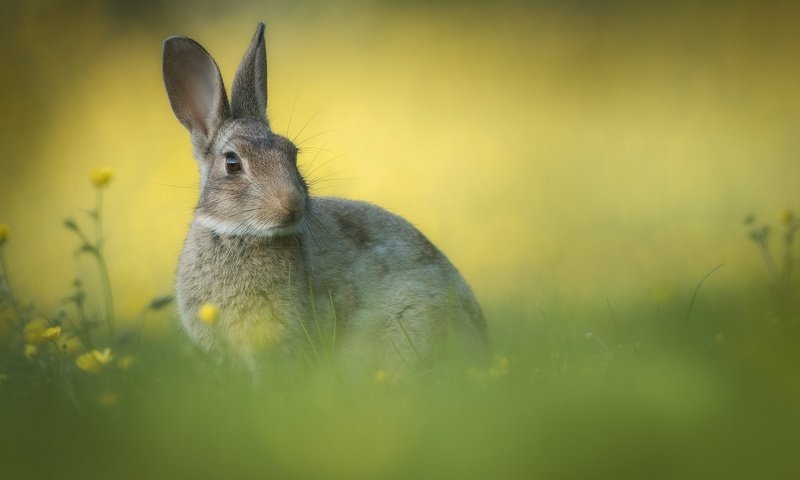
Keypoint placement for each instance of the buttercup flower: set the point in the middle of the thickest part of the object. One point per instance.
(3, 234)
(208, 314)
(103, 357)
(501, 362)
(124, 362)
(34, 331)
(101, 176)
(93, 361)
(786, 217)
(381, 376)
(69, 344)
(500, 367)
(51, 333)
(108, 399)
(87, 363)
(31, 351)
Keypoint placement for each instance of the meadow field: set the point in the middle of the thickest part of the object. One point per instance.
(618, 181)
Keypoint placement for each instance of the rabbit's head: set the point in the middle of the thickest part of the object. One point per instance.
(250, 184)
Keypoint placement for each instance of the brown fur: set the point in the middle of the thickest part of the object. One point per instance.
(284, 267)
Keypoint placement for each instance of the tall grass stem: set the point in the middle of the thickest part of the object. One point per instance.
(101, 263)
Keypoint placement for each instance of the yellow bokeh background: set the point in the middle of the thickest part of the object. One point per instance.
(552, 150)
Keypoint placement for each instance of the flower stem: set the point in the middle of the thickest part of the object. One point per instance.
(773, 271)
(101, 263)
(11, 297)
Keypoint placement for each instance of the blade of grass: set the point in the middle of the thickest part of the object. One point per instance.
(697, 289)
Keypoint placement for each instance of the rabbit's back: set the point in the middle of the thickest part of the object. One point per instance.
(392, 289)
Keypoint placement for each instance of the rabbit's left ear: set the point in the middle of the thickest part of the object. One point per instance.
(194, 87)
(249, 91)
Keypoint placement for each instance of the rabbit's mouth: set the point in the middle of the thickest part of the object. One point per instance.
(286, 229)
(249, 229)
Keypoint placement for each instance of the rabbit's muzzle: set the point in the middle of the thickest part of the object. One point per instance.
(289, 209)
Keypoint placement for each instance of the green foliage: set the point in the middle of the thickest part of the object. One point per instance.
(699, 385)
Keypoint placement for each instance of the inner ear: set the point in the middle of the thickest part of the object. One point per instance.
(194, 87)
(249, 91)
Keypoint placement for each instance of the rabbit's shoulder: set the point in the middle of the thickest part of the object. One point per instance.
(359, 231)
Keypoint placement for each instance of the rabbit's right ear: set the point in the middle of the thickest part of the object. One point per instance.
(194, 87)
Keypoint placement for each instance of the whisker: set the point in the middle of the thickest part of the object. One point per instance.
(304, 126)
(318, 134)
(336, 157)
(319, 151)
(174, 186)
(291, 114)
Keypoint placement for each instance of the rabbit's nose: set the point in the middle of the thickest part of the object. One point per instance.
(291, 209)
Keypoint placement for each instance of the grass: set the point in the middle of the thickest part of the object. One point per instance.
(701, 385)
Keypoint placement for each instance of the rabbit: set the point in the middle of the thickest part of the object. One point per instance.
(293, 273)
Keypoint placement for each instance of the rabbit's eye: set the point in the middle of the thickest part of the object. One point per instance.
(233, 164)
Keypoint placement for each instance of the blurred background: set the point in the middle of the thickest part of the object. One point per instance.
(586, 165)
(553, 150)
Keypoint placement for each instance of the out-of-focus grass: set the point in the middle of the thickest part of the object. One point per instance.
(672, 404)
(691, 385)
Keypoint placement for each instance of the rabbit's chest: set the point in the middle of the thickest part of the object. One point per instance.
(254, 282)
(251, 284)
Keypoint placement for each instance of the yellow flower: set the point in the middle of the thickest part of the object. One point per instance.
(101, 176)
(786, 217)
(87, 362)
(3, 234)
(501, 362)
(34, 330)
(51, 333)
(381, 376)
(31, 351)
(103, 357)
(108, 399)
(124, 362)
(69, 344)
(208, 314)
(93, 361)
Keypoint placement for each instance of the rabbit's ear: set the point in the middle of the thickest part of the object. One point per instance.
(249, 91)
(194, 87)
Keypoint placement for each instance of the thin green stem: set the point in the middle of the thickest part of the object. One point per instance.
(310, 341)
(101, 263)
(11, 297)
(314, 315)
(333, 335)
(408, 339)
(82, 331)
(773, 271)
(697, 289)
(83, 237)
(614, 320)
(109, 301)
(98, 217)
(788, 257)
(401, 356)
